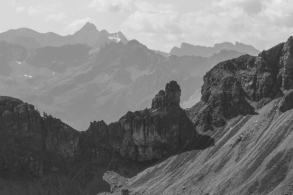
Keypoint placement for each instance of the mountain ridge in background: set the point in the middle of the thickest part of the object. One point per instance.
(88, 34)
(79, 84)
(196, 50)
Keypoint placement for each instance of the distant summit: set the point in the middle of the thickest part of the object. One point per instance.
(88, 34)
(89, 27)
(196, 50)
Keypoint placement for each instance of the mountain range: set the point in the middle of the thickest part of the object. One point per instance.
(196, 50)
(88, 34)
(79, 83)
(153, 124)
(235, 140)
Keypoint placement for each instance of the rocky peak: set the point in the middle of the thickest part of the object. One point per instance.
(240, 85)
(173, 93)
(89, 27)
(134, 45)
(104, 32)
(151, 133)
(169, 98)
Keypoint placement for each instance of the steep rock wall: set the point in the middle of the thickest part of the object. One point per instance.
(241, 85)
(151, 133)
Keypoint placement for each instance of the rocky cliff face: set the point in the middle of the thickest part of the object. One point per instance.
(49, 157)
(31, 145)
(151, 133)
(240, 85)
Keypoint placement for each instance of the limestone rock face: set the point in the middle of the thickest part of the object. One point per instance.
(32, 145)
(20, 117)
(151, 133)
(20, 138)
(44, 154)
(241, 85)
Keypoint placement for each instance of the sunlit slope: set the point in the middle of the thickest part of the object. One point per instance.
(259, 163)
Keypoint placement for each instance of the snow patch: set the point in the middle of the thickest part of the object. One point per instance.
(29, 76)
(115, 37)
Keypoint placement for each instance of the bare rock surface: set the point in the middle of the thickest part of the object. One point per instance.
(252, 155)
(240, 85)
(150, 134)
(43, 155)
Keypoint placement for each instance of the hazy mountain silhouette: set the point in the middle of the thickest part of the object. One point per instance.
(196, 50)
(88, 34)
(78, 84)
(9, 53)
(59, 59)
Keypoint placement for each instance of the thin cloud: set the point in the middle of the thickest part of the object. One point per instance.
(258, 22)
(39, 10)
(113, 5)
(58, 17)
(48, 13)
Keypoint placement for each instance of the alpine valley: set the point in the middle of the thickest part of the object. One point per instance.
(94, 113)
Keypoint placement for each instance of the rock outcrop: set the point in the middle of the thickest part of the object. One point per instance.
(35, 148)
(151, 133)
(44, 154)
(32, 145)
(240, 85)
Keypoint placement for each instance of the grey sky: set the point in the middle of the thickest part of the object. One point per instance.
(160, 24)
